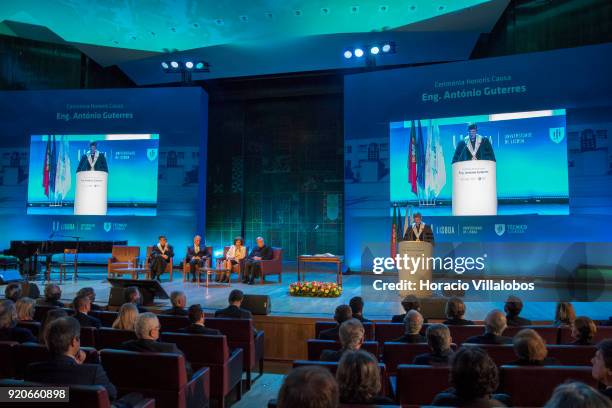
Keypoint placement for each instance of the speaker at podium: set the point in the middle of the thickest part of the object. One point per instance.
(416, 249)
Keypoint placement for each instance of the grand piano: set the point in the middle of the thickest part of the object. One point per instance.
(31, 250)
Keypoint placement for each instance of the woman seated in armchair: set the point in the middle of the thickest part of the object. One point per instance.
(234, 255)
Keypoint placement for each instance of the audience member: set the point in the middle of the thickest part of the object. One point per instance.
(577, 395)
(564, 315)
(147, 329)
(25, 309)
(530, 349)
(252, 266)
(308, 387)
(351, 335)
(234, 310)
(132, 295)
(410, 302)
(474, 378)
(89, 291)
(513, 307)
(8, 329)
(50, 317)
(455, 310)
(356, 304)
(13, 292)
(233, 256)
(495, 324)
(358, 378)
(439, 341)
(161, 255)
(342, 314)
(602, 366)
(66, 365)
(128, 313)
(413, 323)
(197, 256)
(82, 307)
(583, 331)
(179, 301)
(53, 293)
(196, 317)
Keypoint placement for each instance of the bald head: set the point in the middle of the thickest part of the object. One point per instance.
(495, 322)
(413, 322)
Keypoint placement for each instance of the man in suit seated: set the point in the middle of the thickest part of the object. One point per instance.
(196, 317)
(89, 291)
(161, 255)
(252, 266)
(513, 308)
(356, 304)
(132, 295)
(455, 310)
(82, 306)
(147, 333)
(439, 341)
(179, 301)
(53, 294)
(196, 256)
(66, 365)
(410, 302)
(341, 315)
(602, 366)
(413, 323)
(234, 311)
(8, 320)
(495, 324)
(351, 339)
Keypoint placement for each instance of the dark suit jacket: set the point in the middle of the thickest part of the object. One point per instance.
(330, 334)
(199, 329)
(19, 334)
(375, 400)
(400, 318)
(450, 399)
(100, 164)
(546, 361)
(144, 346)
(53, 303)
(88, 321)
(489, 338)
(607, 392)
(331, 355)
(582, 342)
(156, 252)
(191, 253)
(411, 338)
(264, 252)
(433, 359)
(517, 321)
(65, 370)
(234, 312)
(458, 322)
(176, 311)
(361, 318)
(426, 235)
(485, 151)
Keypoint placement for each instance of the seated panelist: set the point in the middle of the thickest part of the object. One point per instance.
(234, 255)
(161, 255)
(196, 256)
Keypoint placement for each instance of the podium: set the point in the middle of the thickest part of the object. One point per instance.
(475, 187)
(416, 249)
(91, 193)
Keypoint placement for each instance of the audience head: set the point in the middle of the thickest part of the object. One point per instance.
(565, 314)
(577, 395)
(584, 328)
(25, 308)
(513, 306)
(358, 377)
(602, 363)
(308, 387)
(178, 299)
(473, 373)
(529, 346)
(343, 313)
(52, 315)
(356, 304)
(235, 297)
(8, 314)
(260, 242)
(82, 304)
(238, 241)
(351, 334)
(495, 322)
(63, 336)
(53, 293)
(128, 313)
(89, 292)
(411, 302)
(13, 292)
(439, 338)
(132, 295)
(413, 322)
(147, 326)
(196, 314)
(455, 308)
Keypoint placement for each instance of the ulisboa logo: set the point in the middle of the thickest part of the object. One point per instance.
(152, 154)
(556, 134)
(107, 226)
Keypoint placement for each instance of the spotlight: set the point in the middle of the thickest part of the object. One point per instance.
(374, 50)
(165, 65)
(189, 65)
(174, 64)
(386, 47)
(348, 54)
(200, 65)
(358, 52)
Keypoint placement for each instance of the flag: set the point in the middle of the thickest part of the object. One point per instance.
(45, 178)
(412, 166)
(420, 159)
(437, 160)
(63, 178)
(394, 233)
(400, 227)
(407, 220)
(52, 165)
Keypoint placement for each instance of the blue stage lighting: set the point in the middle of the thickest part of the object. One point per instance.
(189, 65)
(174, 64)
(348, 54)
(358, 52)
(374, 50)
(386, 47)
(165, 65)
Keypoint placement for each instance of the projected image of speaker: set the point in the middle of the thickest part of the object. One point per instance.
(257, 304)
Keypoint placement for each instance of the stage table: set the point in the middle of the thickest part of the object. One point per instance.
(134, 271)
(320, 259)
(210, 271)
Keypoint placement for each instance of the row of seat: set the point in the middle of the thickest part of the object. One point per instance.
(384, 332)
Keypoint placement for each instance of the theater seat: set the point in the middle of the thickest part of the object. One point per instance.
(212, 352)
(40, 312)
(385, 332)
(171, 323)
(548, 333)
(460, 334)
(90, 396)
(106, 318)
(28, 353)
(240, 334)
(500, 353)
(89, 337)
(417, 385)
(603, 332)
(533, 386)
(112, 338)
(368, 328)
(395, 354)
(572, 355)
(161, 376)
(7, 353)
(31, 325)
(316, 347)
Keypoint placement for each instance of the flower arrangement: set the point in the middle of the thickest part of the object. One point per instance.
(315, 289)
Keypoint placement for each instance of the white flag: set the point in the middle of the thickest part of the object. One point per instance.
(63, 177)
(438, 165)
